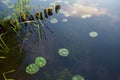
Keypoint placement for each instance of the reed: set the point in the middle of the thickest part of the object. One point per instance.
(20, 16)
(3, 45)
(4, 74)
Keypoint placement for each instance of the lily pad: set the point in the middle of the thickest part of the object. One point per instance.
(53, 20)
(32, 68)
(93, 34)
(64, 20)
(63, 52)
(40, 61)
(78, 77)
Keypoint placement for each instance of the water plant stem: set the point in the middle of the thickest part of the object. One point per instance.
(7, 73)
(3, 44)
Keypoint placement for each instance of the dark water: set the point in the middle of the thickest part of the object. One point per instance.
(93, 58)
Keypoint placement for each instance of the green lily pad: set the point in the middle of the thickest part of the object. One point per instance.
(53, 20)
(32, 68)
(40, 61)
(63, 52)
(93, 34)
(64, 20)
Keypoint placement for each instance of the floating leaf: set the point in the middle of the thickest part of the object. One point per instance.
(63, 52)
(78, 77)
(93, 34)
(40, 61)
(53, 20)
(64, 20)
(32, 68)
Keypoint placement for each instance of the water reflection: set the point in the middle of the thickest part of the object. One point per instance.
(92, 58)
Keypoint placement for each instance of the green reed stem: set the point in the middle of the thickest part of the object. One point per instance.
(7, 73)
(3, 44)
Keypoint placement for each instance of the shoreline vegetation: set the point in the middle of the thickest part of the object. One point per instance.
(16, 20)
(19, 19)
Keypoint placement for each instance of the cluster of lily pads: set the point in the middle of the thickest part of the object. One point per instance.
(35, 67)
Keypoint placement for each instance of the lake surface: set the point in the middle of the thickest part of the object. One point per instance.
(94, 58)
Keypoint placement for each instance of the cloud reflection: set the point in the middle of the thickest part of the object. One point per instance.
(86, 9)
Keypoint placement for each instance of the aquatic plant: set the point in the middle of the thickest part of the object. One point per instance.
(49, 10)
(45, 13)
(32, 68)
(78, 77)
(64, 20)
(2, 57)
(53, 20)
(23, 42)
(63, 52)
(93, 34)
(22, 14)
(39, 15)
(3, 45)
(7, 73)
(40, 61)
(57, 8)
